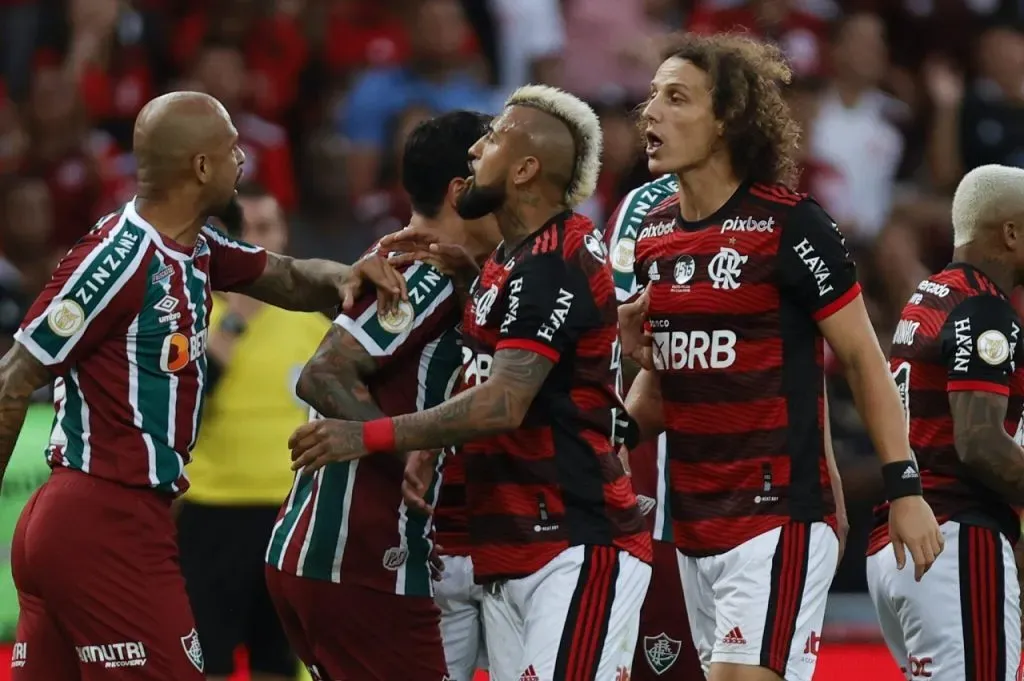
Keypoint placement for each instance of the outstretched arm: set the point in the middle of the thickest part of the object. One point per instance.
(21, 374)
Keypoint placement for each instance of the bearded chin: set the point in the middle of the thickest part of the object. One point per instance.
(231, 216)
(477, 201)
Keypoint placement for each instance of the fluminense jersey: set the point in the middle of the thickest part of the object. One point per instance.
(348, 521)
(123, 327)
(648, 460)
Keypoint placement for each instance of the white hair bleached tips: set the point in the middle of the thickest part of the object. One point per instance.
(586, 131)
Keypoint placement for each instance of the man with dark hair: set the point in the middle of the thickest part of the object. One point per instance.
(344, 540)
(122, 331)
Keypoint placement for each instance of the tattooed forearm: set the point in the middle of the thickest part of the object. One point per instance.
(983, 444)
(304, 285)
(333, 380)
(21, 374)
(497, 406)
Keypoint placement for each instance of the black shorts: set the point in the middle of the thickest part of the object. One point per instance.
(222, 559)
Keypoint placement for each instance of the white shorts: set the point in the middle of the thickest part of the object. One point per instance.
(763, 602)
(576, 618)
(461, 623)
(962, 620)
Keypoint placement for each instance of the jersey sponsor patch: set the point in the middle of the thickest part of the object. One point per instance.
(993, 347)
(397, 319)
(65, 318)
(622, 258)
(684, 269)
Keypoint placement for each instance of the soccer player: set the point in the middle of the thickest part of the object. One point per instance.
(345, 540)
(665, 649)
(959, 364)
(121, 328)
(743, 278)
(556, 535)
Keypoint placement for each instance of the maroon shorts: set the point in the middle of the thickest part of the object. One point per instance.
(346, 632)
(101, 596)
(664, 650)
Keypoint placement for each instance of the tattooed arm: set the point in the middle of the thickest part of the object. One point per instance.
(21, 374)
(334, 380)
(983, 444)
(496, 406)
(314, 284)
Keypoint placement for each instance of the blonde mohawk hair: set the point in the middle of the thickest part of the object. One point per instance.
(585, 127)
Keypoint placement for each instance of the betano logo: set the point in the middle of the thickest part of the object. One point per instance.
(180, 350)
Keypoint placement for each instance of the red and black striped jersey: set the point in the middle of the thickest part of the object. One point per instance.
(555, 481)
(957, 332)
(451, 528)
(734, 304)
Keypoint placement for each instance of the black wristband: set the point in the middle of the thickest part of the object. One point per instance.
(901, 479)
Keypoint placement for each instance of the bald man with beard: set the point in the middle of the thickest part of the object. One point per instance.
(121, 331)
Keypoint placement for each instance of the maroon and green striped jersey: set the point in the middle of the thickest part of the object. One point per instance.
(122, 325)
(348, 521)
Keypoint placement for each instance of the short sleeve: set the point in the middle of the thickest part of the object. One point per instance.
(621, 243)
(548, 304)
(432, 307)
(88, 299)
(815, 268)
(233, 262)
(979, 344)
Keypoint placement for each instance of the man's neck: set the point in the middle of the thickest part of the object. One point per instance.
(522, 215)
(173, 219)
(456, 233)
(705, 189)
(997, 269)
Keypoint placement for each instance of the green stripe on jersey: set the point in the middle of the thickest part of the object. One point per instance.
(663, 511)
(382, 334)
(331, 509)
(71, 423)
(635, 208)
(87, 291)
(302, 487)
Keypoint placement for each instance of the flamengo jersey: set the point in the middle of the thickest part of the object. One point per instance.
(123, 326)
(957, 332)
(451, 527)
(348, 521)
(734, 301)
(648, 461)
(555, 481)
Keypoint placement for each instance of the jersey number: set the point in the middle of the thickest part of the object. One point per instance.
(901, 374)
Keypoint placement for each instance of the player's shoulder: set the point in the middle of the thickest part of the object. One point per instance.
(114, 244)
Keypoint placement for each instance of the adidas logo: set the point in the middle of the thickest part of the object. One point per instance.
(529, 675)
(735, 637)
(910, 473)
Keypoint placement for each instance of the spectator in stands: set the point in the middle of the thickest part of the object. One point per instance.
(13, 136)
(364, 35)
(220, 71)
(240, 470)
(985, 123)
(18, 22)
(435, 77)
(801, 34)
(26, 224)
(852, 132)
(531, 38)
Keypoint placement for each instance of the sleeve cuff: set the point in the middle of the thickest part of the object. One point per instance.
(839, 303)
(33, 349)
(978, 386)
(537, 347)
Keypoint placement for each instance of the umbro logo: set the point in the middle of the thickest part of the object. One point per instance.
(167, 305)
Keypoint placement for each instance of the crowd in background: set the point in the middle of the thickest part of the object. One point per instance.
(897, 99)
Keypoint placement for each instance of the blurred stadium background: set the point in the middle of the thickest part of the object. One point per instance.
(897, 97)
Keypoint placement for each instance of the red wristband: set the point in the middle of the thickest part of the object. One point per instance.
(379, 435)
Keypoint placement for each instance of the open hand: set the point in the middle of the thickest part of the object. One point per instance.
(376, 271)
(323, 441)
(912, 525)
(637, 344)
(419, 473)
(417, 243)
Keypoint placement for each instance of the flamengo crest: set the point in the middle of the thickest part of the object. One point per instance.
(661, 652)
